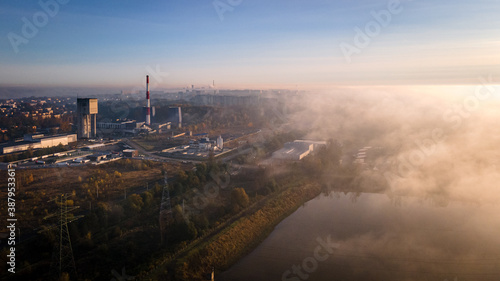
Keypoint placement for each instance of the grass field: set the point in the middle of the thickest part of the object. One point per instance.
(35, 187)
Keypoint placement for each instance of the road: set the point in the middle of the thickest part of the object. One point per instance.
(150, 155)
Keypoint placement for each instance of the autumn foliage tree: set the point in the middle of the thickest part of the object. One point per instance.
(239, 199)
(134, 204)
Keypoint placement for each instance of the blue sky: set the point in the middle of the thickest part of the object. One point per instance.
(258, 44)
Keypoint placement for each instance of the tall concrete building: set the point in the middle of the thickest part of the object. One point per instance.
(87, 118)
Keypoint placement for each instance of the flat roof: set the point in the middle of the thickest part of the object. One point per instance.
(311, 141)
(36, 140)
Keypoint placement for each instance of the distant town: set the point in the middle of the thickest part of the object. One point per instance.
(72, 130)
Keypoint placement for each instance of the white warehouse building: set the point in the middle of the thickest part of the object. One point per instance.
(295, 151)
(38, 141)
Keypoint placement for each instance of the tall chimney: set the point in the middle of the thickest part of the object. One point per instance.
(148, 109)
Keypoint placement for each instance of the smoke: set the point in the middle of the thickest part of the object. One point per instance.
(434, 142)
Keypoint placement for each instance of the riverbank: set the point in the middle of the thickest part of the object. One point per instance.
(240, 237)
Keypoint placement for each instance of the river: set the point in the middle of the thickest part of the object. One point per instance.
(372, 237)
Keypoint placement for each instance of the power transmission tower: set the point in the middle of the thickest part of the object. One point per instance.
(165, 209)
(63, 259)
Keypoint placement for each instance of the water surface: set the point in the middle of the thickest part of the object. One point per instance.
(376, 238)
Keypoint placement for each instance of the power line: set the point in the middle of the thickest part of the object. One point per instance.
(63, 260)
(165, 209)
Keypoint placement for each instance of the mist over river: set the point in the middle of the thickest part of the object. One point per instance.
(377, 237)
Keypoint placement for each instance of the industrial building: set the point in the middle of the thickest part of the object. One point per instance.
(97, 157)
(87, 118)
(199, 149)
(125, 128)
(315, 144)
(130, 153)
(297, 150)
(38, 141)
(162, 127)
(293, 151)
(361, 155)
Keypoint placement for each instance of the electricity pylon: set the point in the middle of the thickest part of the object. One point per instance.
(165, 209)
(63, 259)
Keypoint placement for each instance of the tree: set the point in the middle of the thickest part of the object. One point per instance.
(157, 189)
(201, 170)
(193, 180)
(29, 179)
(29, 152)
(201, 222)
(211, 161)
(115, 214)
(147, 198)
(60, 147)
(239, 198)
(177, 214)
(181, 229)
(331, 155)
(64, 276)
(182, 176)
(178, 188)
(134, 204)
(65, 126)
(184, 231)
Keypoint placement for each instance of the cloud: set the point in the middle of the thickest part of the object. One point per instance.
(460, 164)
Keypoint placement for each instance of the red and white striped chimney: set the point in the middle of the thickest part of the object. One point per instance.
(148, 109)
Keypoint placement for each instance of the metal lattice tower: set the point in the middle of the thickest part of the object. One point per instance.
(63, 259)
(165, 209)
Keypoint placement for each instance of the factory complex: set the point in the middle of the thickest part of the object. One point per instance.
(177, 144)
(38, 141)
